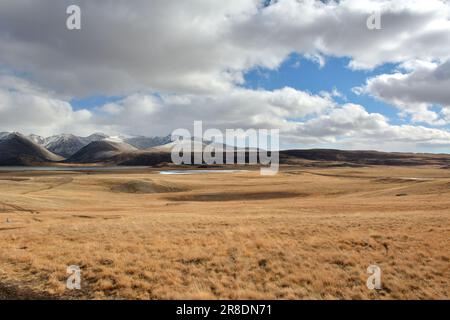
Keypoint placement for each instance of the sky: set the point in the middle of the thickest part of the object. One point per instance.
(312, 69)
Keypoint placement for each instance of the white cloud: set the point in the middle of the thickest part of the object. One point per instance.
(26, 108)
(176, 62)
(303, 118)
(237, 108)
(415, 89)
(351, 126)
(204, 46)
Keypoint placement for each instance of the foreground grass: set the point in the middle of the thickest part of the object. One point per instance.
(301, 234)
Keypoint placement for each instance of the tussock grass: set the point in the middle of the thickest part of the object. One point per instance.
(317, 243)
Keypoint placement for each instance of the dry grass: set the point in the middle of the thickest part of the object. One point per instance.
(300, 234)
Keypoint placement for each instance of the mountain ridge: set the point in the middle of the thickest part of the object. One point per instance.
(17, 149)
(67, 144)
(100, 151)
(98, 148)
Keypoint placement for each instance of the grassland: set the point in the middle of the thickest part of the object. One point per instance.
(303, 234)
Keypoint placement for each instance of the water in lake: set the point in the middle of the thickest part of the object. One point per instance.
(86, 168)
(199, 171)
(111, 168)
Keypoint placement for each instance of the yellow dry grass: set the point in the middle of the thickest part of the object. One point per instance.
(303, 234)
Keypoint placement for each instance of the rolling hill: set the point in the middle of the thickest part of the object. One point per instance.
(17, 149)
(363, 157)
(104, 151)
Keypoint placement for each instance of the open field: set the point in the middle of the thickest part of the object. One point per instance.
(305, 233)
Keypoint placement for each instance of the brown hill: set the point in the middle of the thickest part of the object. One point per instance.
(18, 150)
(104, 151)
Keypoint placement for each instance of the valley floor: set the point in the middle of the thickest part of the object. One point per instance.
(303, 234)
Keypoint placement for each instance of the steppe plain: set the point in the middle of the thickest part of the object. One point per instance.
(306, 233)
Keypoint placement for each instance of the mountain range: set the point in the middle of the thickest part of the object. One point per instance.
(17, 149)
(20, 149)
(66, 145)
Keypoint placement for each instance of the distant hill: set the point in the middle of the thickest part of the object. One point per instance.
(17, 149)
(121, 153)
(103, 151)
(363, 157)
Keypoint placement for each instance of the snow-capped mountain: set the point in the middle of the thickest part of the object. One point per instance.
(98, 136)
(65, 144)
(142, 142)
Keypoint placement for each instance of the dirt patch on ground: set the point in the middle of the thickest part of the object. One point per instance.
(15, 179)
(238, 196)
(104, 217)
(9, 207)
(12, 292)
(143, 187)
(401, 180)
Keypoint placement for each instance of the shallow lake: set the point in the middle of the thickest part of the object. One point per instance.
(111, 168)
(199, 171)
(86, 168)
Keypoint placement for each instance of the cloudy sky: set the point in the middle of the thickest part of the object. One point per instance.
(309, 68)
